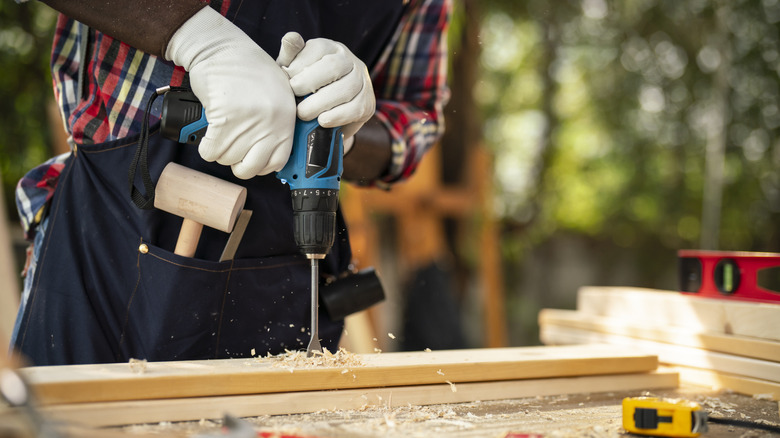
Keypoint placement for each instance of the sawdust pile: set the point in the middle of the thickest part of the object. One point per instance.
(292, 360)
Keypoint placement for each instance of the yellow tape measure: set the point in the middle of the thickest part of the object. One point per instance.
(663, 417)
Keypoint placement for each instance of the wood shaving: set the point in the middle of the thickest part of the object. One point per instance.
(292, 360)
(440, 372)
(390, 419)
(767, 422)
(391, 336)
(715, 405)
(452, 386)
(138, 366)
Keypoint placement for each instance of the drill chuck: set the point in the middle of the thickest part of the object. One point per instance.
(314, 220)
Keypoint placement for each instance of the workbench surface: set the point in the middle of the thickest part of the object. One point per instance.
(580, 415)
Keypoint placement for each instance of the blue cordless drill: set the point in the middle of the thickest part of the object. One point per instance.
(313, 173)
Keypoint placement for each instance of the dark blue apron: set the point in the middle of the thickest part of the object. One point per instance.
(108, 286)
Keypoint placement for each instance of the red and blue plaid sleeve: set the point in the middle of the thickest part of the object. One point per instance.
(410, 84)
(34, 191)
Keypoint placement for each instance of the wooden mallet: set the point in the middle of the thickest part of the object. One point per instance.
(200, 199)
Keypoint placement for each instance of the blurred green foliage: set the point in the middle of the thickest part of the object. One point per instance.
(601, 112)
(26, 31)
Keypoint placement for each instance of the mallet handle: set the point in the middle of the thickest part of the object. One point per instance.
(188, 238)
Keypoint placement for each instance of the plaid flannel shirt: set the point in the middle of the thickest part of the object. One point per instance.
(409, 81)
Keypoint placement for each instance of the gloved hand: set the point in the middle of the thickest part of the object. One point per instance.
(338, 81)
(249, 103)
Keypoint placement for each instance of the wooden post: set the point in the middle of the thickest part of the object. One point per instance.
(9, 275)
(490, 263)
(419, 206)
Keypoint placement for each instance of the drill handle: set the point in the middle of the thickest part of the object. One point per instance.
(316, 161)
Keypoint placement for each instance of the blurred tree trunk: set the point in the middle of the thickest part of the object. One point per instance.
(461, 114)
(467, 167)
(462, 117)
(545, 150)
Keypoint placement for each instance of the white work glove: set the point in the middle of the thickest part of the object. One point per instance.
(338, 81)
(249, 104)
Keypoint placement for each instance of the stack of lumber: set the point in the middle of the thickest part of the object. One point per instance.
(723, 344)
(116, 394)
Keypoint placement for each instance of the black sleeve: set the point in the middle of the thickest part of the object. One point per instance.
(144, 24)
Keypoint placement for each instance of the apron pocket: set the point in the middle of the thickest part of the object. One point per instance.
(185, 308)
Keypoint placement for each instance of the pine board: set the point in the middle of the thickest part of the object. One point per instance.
(668, 354)
(723, 381)
(153, 411)
(164, 380)
(669, 308)
(730, 344)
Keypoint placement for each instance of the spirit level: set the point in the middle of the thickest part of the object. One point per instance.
(739, 275)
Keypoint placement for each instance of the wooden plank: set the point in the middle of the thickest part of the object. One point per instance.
(730, 344)
(723, 381)
(671, 308)
(667, 353)
(152, 411)
(113, 382)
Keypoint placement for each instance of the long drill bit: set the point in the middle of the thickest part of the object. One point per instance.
(314, 342)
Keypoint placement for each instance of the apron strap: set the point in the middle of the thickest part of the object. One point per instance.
(141, 200)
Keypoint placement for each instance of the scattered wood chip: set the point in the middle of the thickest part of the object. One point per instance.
(138, 366)
(427, 350)
(391, 336)
(440, 372)
(390, 420)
